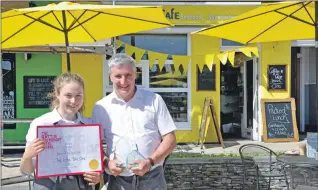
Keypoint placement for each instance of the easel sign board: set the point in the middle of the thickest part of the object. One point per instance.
(69, 150)
(208, 103)
(279, 120)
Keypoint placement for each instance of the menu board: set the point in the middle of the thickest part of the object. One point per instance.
(277, 77)
(279, 120)
(36, 90)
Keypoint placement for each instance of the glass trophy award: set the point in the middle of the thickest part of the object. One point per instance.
(133, 156)
(120, 152)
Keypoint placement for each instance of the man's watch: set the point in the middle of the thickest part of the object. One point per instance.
(151, 161)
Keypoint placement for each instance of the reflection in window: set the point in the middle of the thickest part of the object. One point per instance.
(168, 77)
(169, 44)
(177, 105)
(9, 88)
(226, 42)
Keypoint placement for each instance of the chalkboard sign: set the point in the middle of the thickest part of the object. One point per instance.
(279, 120)
(312, 144)
(206, 79)
(36, 90)
(277, 77)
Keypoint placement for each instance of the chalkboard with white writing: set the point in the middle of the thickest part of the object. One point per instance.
(276, 77)
(279, 120)
(36, 90)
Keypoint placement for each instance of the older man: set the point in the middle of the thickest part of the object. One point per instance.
(138, 129)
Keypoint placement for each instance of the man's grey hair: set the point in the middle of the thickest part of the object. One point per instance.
(121, 59)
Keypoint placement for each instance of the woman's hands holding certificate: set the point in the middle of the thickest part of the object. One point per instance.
(34, 148)
(92, 177)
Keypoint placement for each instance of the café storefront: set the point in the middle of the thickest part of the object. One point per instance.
(236, 89)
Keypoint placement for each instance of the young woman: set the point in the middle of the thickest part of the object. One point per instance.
(67, 105)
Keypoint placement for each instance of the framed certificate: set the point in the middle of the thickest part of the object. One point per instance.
(69, 150)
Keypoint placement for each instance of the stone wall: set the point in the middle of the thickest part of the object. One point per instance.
(216, 173)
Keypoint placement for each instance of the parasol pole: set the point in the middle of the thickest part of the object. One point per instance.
(114, 38)
(68, 58)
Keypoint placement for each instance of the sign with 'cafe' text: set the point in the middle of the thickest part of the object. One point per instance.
(201, 15)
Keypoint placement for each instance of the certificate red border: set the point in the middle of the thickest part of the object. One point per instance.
(76, 125)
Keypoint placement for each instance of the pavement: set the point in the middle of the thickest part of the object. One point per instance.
(10, 162)
(232, 146)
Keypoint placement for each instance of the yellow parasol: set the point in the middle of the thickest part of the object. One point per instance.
(68, 22)
(269, 22)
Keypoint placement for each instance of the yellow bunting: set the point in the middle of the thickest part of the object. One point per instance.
(138, 54)
(119, 43)
(231, 57)
(246, 51)
(223, 57)
(209, 61)
(169, 82)
(199, 61)
(129, 50)
(161, 57)
(180, 60)
(255, 51)
(152, 58)
(176, 62)
(178, 74)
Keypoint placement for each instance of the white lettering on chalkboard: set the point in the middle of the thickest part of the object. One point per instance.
(279, 114)
(278, 121)
(36, 90)
(277, 81)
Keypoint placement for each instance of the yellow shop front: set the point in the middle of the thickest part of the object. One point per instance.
(185, 68)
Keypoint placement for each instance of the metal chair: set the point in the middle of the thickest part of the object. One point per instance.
(302, 176)
(274, 168)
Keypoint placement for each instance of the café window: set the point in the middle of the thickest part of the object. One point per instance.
(169, 82)
(9, 88)
(225, 42)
